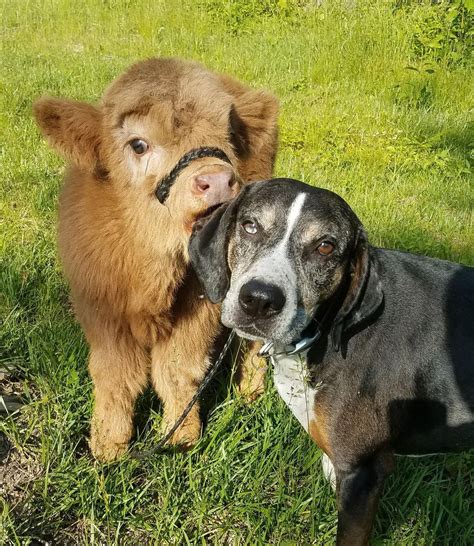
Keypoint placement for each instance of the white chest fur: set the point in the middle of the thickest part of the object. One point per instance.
(291, 378)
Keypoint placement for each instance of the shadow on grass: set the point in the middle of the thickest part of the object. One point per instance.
(458, 141)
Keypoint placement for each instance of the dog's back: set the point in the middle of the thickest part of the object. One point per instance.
(415, 358)
(429, 310)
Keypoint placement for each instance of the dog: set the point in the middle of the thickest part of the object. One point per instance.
(169, 141)
(373, 349)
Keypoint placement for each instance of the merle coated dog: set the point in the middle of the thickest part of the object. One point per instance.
(373, 349)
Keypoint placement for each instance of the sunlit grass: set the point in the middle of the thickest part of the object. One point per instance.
(361, 115)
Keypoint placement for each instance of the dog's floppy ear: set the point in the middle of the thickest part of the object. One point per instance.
(253, 128)
(208, 249)
(364, 295)
(72, 128)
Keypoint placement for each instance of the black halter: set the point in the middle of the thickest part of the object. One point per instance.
(164, 187)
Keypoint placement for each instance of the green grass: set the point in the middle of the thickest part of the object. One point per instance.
(368, 111)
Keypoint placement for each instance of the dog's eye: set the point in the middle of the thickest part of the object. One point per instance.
(325, 248)
(250, 227)
(139, 146)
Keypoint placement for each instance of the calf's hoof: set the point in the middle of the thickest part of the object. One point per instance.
(106, 452)
(251, 382)
(187, 435)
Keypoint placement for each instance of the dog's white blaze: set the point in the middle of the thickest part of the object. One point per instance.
(275, 267)
(293, 215)
(279, 254)
(291, 378)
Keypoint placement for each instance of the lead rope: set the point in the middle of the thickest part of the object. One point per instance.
(160, 446)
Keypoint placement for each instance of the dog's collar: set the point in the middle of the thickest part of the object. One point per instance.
(310, 335)
(164, 187)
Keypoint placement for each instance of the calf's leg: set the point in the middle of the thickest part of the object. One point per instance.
(119, 372)
(180, 361)
(251, 371)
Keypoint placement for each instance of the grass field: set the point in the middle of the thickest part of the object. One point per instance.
(375, 104)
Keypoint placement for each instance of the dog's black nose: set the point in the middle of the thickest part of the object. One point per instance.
(261, 300)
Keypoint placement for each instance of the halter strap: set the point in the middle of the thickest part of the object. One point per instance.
(163, 190)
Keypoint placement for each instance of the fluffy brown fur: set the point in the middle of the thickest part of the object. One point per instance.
(124, 253)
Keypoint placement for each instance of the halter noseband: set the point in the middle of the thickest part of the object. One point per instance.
(163, 190)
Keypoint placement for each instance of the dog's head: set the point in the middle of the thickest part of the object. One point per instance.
(277, 252)
(152, 116)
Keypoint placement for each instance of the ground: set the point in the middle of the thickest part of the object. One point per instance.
(375, 99)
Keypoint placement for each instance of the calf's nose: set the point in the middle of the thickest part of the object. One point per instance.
(215, 188)
(261, 300)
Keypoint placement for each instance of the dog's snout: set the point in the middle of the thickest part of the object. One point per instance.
(261, 300)
(215, 187)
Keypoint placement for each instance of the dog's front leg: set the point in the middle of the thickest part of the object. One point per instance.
(358, 493)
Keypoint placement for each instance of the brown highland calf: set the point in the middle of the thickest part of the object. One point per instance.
(125, 253)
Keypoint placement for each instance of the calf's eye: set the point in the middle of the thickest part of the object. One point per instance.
(139, 146)
(250, 227)
(325, 248)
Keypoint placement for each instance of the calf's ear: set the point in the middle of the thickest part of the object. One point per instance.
(364, 295)
(72, 128)
(208, 249)
(253, 128)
